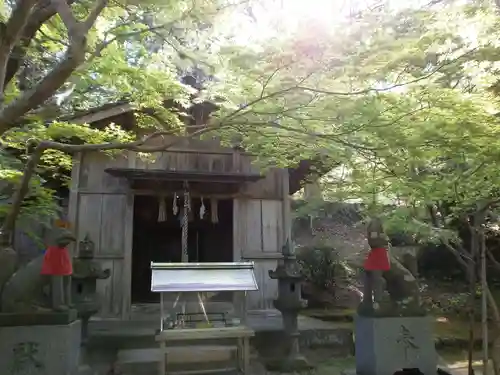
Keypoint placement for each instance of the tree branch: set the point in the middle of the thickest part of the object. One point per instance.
(48, 85)
(43, 90)
(94, 13)
(101, 46)
(34, 159)
(75, 29)
(42, 12)
(392, 87)
(11, 35)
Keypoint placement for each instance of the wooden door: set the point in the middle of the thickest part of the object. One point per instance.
(258, 237)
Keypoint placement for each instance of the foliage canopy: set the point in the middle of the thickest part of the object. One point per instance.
(402, 99)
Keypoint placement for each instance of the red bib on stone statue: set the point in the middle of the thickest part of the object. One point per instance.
(377, 260)
(57, 262)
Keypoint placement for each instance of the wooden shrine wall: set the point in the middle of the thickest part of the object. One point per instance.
(258, 237)
(102, 207)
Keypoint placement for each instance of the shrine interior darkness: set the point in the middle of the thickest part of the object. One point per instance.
(160, 241)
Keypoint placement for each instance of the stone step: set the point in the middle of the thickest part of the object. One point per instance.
(133, 338)
(211, 358)
(179, 354)
(203, 371)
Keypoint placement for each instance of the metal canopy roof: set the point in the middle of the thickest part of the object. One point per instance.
(194, 176)
(202, 277)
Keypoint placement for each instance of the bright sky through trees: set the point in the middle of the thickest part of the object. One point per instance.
(270, 19)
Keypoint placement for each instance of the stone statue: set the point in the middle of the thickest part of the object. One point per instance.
(385, 271)
(57, 265)
(25, 291)
(86, 272)
(395, 319)
(375, 264)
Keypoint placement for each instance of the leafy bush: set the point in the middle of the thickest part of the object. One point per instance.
(321, 266)
(438, 263)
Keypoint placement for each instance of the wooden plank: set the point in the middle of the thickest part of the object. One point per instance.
(239, 225)
(184, 161)
(89, 218)
(101, 215)
(255, 298)
(237, 231)
(252, 255)
(131, 157)
(102, 218)
(74, 199)
(257, 225)
(92, 170)
(272, 223)
(117, 288)
(104, 289)
(153, 160)
(84, 172)
(75, 172)
(178, 354)
(247, 165)
(110, 289)
(108, 191)
(92, 175)
(257, 236)
(109, 182)
(270, 187)
(204, 333)
(253, 232)
(204, 371)
(237, 161)
(176, 144)
(268, 288)
(112, 226)
(286, 208)
(127, 260)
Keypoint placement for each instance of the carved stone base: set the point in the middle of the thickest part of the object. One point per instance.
(386, 345)
(40, 349)
(37, 318)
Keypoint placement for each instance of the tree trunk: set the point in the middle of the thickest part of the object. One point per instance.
(484, 303)
(495, 348)
(472, 293)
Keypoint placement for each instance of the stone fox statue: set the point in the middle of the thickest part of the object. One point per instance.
(57, 265)
(383, 268)
(376, 263)
(24, 291)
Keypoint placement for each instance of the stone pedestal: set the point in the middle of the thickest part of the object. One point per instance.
(386, 345)
(40, 349)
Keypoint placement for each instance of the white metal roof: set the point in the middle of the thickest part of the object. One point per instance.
(202, 277)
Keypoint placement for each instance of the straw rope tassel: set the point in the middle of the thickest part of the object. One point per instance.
(162, 209)
(175, 208)
(190, 211)
(202, 209)
(213, 211)
(185, 219)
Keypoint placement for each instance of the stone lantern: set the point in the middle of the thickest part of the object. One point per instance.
(86, 272)
(289, 303)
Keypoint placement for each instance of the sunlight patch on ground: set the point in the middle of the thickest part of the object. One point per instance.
(442, 319)
(456, 359)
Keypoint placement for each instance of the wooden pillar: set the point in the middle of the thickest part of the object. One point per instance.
(129, 239)
(287, 216)
(74, 197)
